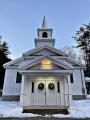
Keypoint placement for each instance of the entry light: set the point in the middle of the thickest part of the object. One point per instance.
(47, 62)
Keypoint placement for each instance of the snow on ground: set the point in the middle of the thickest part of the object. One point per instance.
(78, 109)
(13, 109)
(88, 97)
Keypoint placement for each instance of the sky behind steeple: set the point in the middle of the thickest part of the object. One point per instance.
(19, 20)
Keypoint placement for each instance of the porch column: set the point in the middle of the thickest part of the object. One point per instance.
(22, 90)
(69, 89)
(83, 82)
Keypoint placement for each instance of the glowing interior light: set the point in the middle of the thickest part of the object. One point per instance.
(46, 62)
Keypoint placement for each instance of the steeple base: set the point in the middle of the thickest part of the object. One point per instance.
(41, 42)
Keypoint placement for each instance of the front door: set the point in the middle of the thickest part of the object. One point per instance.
(46, 92)
(52, 93)
(39, 93)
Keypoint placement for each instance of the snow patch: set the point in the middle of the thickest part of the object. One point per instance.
(13, 109)
(78, 109)
(88, 97)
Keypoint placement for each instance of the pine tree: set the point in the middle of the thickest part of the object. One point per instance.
(4, 52)
(82, 38)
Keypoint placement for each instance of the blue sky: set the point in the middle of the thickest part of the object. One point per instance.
(19, 20)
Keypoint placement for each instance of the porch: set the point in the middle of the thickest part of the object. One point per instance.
(33, 98)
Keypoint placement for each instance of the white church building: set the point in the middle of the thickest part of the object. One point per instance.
(44, 77)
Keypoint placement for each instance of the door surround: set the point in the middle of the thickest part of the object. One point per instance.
(46, 92)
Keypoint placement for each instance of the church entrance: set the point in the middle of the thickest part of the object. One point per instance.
(46, 92)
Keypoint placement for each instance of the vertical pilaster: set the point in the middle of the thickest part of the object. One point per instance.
(83, 82)
(69, 89)
(66, 92)
(22, 90)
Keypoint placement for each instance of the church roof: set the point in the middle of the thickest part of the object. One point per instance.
(54, 60)
(60, 52)
(36, 50)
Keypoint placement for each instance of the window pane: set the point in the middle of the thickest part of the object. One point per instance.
(71, 78)
(44, 35)
(19, 78)
(58, 87)
(32, 87)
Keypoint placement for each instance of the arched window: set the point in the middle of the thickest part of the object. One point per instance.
(44, 35)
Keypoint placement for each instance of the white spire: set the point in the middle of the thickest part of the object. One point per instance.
(44, 24)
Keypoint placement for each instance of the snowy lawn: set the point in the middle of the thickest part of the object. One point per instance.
(13, 109)
(78, 109)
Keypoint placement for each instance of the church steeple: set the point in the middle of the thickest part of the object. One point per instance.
(44, 24)
(44, 35)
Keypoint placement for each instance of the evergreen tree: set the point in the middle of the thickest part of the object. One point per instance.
(82, 38)
(4, 52)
